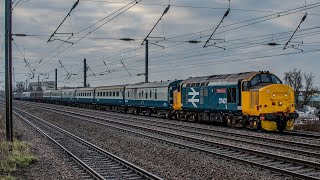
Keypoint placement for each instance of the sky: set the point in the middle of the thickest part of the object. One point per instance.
(94, 28)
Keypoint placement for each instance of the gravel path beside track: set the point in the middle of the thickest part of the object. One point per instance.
(161, 159)
(51, 164)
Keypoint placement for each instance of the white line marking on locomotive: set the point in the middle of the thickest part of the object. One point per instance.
(194, 93)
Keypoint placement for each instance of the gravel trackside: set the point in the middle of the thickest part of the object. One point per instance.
(164, 160)
(50, 164)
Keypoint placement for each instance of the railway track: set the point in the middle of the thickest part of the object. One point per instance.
(265, 142)
(299, 134)
(283, 164)
(98, 163)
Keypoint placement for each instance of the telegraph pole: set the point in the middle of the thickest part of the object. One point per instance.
(8, 69)
(85, 72)
(56, 82)
(147, 61)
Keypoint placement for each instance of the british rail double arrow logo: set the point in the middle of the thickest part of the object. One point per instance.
(193, 100)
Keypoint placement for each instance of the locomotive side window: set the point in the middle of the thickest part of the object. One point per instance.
(245, 86)
(231, 95)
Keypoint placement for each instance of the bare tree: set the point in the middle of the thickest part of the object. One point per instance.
(20, 86)
(309, 87)
(301, 81)
(294, 79)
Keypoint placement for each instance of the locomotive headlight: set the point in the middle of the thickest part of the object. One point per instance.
(274, 95)
(286, 95)
(280, 103)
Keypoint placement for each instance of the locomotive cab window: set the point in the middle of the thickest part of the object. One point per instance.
(265, 78)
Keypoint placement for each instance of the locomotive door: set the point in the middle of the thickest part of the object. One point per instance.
(221, 98)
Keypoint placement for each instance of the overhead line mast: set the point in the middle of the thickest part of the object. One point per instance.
(8, 69)
(146, 41)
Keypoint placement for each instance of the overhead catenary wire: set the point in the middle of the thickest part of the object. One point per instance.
(281, 43)
(126, 9)
(298, 9)
(301, 21)
(72, 8)
(224, 16)
(164, 12)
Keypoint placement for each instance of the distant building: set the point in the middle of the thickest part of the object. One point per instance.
(314, 101)
(46, 85)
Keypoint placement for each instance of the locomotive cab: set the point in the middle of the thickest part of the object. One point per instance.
(267, 103)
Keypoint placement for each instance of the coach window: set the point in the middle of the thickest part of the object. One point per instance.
(141, 94)
(150, 94)
(146, 94)
(118, 94)
(155, 94)
(128, 93)
(104, 94)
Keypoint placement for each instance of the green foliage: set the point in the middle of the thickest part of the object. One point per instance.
(8, 177)
(19, 157)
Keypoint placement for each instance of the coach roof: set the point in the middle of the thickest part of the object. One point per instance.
(151, 84)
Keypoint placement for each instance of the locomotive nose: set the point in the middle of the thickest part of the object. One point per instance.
(278, 98)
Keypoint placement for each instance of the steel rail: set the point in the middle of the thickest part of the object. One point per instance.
(312, 136)
(254, 157)
(143, 173)
(201, 131)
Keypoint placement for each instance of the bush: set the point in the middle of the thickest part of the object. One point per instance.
(19, 156)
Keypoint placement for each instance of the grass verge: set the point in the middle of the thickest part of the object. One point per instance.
(13, 155)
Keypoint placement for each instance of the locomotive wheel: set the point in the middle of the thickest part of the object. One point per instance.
(259, 128)
(177, 116)
(281, 124)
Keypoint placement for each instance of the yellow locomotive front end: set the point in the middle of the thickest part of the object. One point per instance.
(268, 103)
